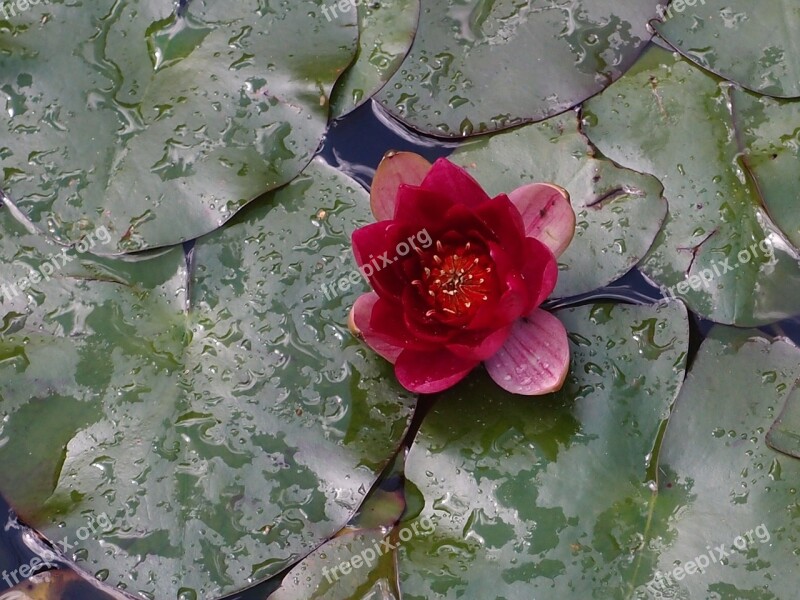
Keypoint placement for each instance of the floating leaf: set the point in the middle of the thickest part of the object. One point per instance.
(320, 576)
(751, 43)
(716, 469)
(545, 497)
(160, 127)
(222, 442)
(719, 250)
(583, 495)
(482, 65)
(784, 435)
(619, 212)
(386, 32)
(770, 132)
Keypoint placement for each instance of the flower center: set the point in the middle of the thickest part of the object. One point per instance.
(456, 281)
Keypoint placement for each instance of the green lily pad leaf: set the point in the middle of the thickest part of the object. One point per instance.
(528, 495)
(584, 495)
(386, 503)
(59, 585)
(480, 65)
(330, 573)
(720, 250)
(165, 126)
(730, 488)
(223, 419)
(619, 212)
(753, 44)
(386, 32)
(784, 435)
(770, 132)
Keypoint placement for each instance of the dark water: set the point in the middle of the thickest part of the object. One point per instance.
(356, 145)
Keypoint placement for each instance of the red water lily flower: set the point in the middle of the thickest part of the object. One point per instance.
(458, 278)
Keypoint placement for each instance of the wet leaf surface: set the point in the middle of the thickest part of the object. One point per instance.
(584, 495)
(784, 435)
(159, 127)
(483, 65)
(716, 469)
(751, 43)
(719, 250)
(223, 441)
(769, 130)
(546, 497)
(318, 578)
(386, 30)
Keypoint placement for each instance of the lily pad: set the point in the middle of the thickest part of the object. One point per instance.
(481, 65)
(386, 32)
(585, 496)
(619, 212)
(726, 483)
(751, 43)
(223, 419)
(720, 250)
(770, 133)
(545, 498)
(784, 435)
(319, 576)
(156, 126)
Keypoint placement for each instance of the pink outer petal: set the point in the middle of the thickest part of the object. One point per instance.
(453, 182)
(431, 372)
(361, 326)
(547, 214)
(535, 358)
(396, 169)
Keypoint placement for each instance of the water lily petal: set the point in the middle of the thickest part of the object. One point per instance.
(535, 358)
(385, 343)
(396, 169)
(375, 252)
(452, 181)
(421, 208)
(424, 329)
(504, 220)
(479, 345)
(547, 214)
(431, 372)
(540, 271)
